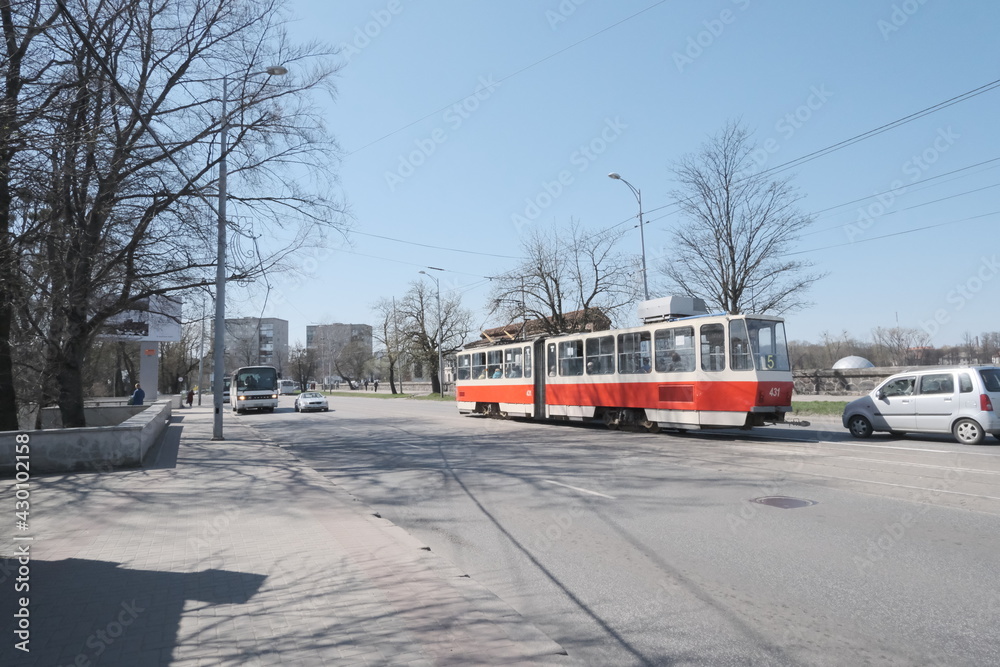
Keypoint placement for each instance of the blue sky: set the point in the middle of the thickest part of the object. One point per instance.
(458, 120)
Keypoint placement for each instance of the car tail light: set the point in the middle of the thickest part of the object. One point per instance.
(985, 404)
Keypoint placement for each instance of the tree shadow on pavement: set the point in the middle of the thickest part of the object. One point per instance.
(99, 613)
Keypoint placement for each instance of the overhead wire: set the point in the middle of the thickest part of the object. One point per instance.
(969, 94)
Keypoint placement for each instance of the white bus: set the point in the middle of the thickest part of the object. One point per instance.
(254, 388)
(288, 387)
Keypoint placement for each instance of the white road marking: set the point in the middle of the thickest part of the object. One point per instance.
(576, 488)
(909, 449)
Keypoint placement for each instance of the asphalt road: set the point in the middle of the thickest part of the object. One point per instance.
(648, 549)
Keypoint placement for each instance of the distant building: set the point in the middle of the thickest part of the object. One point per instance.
(252, 341)
(327, 340)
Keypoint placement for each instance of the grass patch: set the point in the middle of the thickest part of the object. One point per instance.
(434, 397)
(366, 394)
(830, 408)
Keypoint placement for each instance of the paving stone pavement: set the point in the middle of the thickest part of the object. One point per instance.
(236, 553)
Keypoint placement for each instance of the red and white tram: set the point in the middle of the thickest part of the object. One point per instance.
(678, 370)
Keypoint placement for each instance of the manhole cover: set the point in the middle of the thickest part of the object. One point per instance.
(784, 502)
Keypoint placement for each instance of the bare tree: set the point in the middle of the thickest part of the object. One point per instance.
(388, 333)
(22, 105)
(898, 346)
(350, 362)
(419, 312)
(302, 362)
(128, 212)
(567, 270)
(738, 226)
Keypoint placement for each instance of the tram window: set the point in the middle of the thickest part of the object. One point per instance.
(601, 355)
(527, 362)
(494, 364)
(740, 356)
(571, 357)
(478, 365)
(634, 352)
(767, 341)
(512, 363)
(674, 350)
(713, 347)
(552, 360)
(464, 367)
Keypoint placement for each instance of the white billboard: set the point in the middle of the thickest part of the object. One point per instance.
(156, 319)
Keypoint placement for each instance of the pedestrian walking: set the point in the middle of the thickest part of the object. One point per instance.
(190, 397)
(376, 385)
(138, 396)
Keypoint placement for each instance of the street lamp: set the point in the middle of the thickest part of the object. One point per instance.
(642, 236)
(219, 371)
(440, 342)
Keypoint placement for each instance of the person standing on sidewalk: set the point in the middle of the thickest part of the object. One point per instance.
(138, 396)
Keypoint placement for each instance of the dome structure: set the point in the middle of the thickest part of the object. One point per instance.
(852, 362)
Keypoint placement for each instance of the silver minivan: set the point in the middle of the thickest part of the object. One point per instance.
(963, 401)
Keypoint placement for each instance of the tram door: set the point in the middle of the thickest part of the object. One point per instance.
(539, 374)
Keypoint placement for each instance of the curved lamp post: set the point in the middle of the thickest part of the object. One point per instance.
(219, 370)
(440, 341)
(642, 236)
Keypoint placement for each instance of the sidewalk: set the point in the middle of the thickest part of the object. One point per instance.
(235, 553)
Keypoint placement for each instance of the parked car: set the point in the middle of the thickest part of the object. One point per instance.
(962, 401)
(311, 400)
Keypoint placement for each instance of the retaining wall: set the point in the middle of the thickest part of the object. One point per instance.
(93, 448)
(847, 382)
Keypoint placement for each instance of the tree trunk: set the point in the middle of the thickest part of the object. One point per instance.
(8, 398)
(71, 385)
(436, 378)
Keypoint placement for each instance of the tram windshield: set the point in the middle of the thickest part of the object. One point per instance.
(767, 342)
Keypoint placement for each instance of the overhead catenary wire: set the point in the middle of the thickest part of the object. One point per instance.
(969, 94)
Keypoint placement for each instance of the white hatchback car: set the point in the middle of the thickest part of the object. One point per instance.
(963, 401)
(311, 400)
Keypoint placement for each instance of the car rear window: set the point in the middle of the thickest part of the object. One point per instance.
(991, 378)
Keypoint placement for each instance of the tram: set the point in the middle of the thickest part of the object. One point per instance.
(681, 369)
